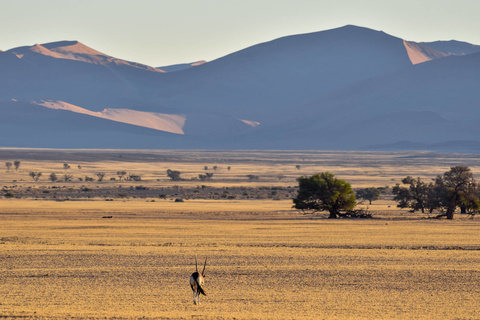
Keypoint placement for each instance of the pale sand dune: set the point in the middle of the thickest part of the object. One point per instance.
(74, 50)
(42, 50)
(77, 47)
(158, 121)
(199, 63)
(251, 123)
(420, 53)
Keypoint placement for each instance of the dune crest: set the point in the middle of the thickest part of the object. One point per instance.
(74, 50)
(419, 53)
(250, 123)
(158, 121)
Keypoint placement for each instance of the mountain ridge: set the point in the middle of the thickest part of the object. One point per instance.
(345, 88)
(77, 51)
(453, 47)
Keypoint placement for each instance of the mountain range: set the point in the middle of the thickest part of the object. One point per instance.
(350, 88)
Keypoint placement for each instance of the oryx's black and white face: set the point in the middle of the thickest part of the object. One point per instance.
(197, 279)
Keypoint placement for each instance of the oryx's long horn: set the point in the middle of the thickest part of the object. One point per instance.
(203, 272)
(196, 267)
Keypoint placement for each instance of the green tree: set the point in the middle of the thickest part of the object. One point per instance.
(206, 177)
(52, 177)
(120, 174)
(324, 192)
(174, 175)
(436, 198)
(455, 188)
(470, 202)
(458, 185)
(415, 196)
(370, 194)
(100, 175)
(35, 175)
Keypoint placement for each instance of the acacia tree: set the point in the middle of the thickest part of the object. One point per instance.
(459, 185)
(206, 177)
(52, 177)
(370, 194)
(415, 196)
(174, 175)
(100, 175)
(35, 175)
(8, 165)
(16, 163)
(455, 188)
(324, 192)
(120, 174)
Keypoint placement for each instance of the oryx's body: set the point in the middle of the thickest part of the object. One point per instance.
(197, 279)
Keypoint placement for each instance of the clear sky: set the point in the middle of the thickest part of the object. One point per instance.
(163, 32)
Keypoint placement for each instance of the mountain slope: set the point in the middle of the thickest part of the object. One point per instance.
(346, 88)
(72, 72)
(419, 53)
(74, 50)
(24, 124)
(258, 82)
(162, 122)
(429, 103)
(453, 47)
(182, 66)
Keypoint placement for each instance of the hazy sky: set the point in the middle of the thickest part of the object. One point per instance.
(163, 32)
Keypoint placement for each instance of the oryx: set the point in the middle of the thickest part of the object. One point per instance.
(197, 279)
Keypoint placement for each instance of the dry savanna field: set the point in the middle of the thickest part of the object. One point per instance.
(68, 253)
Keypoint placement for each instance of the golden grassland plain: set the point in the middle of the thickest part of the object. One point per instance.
(63, 259)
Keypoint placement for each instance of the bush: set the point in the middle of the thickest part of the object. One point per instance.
(9, 194)
(174, 175)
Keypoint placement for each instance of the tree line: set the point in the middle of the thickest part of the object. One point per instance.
(453, 189)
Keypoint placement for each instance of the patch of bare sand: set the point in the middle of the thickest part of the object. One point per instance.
(159, 121)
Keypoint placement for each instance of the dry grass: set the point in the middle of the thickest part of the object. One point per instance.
(61, 259)
(361, 169)
(64, 260)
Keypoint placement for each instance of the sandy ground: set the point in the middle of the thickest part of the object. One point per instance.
(131, 258)
(265, 261)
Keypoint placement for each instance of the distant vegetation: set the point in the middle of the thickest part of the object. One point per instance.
(369, 194)
(454, 189)
(324, 192)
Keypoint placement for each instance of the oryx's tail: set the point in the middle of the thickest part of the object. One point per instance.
(199, 288)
